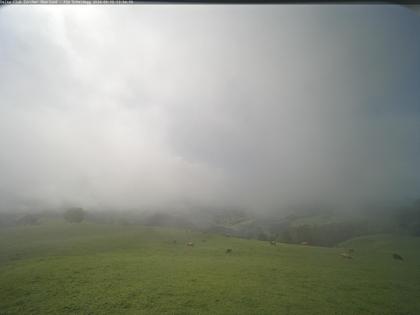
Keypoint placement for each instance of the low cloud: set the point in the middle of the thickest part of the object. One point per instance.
(258, 107)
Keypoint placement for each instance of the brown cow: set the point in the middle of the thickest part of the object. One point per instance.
(228, 251)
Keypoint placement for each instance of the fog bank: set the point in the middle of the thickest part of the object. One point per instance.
(254, 107)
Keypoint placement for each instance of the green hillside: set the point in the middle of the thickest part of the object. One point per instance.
(114, 269)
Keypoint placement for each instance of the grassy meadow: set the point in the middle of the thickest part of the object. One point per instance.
(63, 268)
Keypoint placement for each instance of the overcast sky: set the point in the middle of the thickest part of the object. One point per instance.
(258, 107)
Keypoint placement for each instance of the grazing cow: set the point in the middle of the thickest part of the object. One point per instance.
(190, 244)
(346, 255)
(174, 241)
(228, 251)
(273, 242)
(397, 257)
(351, 250)
(304, 243)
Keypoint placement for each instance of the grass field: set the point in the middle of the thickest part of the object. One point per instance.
(99, 269)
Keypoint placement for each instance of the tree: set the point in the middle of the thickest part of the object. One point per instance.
(28, 219)
(74, 215)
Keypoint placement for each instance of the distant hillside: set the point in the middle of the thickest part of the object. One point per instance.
(314, 226)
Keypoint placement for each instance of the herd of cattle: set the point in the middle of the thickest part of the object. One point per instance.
(348, 254)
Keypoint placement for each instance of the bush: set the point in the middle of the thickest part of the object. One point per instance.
(28, 219)
(74, 215)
